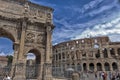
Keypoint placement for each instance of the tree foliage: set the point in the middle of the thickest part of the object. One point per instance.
(10, 58)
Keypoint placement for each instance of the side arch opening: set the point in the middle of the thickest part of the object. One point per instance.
(33, 64)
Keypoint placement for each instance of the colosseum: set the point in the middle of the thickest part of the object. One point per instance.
(88, 54)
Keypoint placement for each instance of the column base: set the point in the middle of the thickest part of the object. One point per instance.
(19, 78)
(48, 78)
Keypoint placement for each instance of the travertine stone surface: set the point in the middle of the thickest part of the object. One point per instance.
(88, 54)
(30, 27)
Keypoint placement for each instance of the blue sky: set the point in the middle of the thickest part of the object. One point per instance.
(75, 19)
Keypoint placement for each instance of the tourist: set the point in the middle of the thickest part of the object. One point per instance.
(102, 74)
(105, 76)
(95, 75)
(110, 75)
(7, 78)
(118, 76)
(113, 77)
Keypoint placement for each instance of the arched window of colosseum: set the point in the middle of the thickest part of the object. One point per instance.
(84, 67)
(105, 53)
(59, 56)
(67, 44)
(97, 54)
(112, 51)
(56, 51)
(95, 41)
(82, 41)
(78, 67)
(83, 54)
(73, 66)
(118, 51)
(96, 45)
(90, 54)
(72, 48)
(77, 54)
(107, 66)
(63, 55)
(53, 57)
(91, 67)
(68, 65)
(67, 56)
(56, 57)
(76, 42)
(72, 55)
(99, 67)
(114, 66)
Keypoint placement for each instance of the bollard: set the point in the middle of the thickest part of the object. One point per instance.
(75, 76)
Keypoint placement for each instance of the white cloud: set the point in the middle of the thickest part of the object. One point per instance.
(90, 5)
(30, 56)
(109, 28)
(115, 37)
(2, 54)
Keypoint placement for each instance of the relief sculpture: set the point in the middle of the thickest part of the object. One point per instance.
(30, 37)
(40, 38)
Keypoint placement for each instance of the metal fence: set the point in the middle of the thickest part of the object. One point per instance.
(32, 72)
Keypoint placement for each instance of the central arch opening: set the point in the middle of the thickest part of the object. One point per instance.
(33, 64)
(6, 51)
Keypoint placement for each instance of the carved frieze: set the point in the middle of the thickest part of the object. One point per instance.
(8, 10)
(40, 38)
(30, 37)
(19, 68)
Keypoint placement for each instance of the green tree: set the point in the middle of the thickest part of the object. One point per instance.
(10, 58)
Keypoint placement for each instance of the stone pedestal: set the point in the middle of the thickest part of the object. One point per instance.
(19, 71)
(48, 71)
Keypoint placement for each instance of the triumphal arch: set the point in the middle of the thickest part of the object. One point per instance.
(30, 27)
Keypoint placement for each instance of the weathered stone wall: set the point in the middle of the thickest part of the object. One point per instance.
(30, 27)
(88, 54)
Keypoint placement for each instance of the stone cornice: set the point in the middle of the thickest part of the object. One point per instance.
(40, 6)
(22, 2)
(20, 20)
(9, 19)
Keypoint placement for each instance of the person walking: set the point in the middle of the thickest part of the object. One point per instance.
(113, 77)
(96, 77)
(7, 77)
(118, 76)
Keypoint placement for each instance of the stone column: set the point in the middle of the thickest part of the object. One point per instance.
(103, 68)
(111, 69)
(119, 65)
(108, 51)
(101, 54)
(116, 54)
(15, 58)
(95, 67)
(41, 68)
(22, 40)
(82, 67)
(48, 67)
(20, 65)
(88, 67)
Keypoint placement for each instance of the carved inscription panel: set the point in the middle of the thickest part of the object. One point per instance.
(10, 9)
(29, 37)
